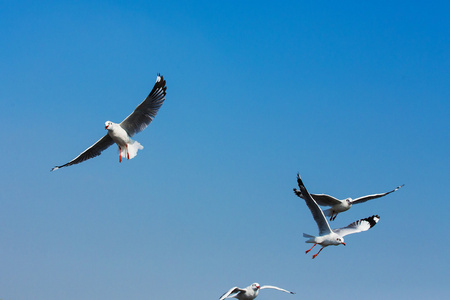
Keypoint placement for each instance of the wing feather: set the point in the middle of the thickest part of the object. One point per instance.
(358, 226)
(317, 213)
(275, 288)
(91, 152)
(233, 290)
(325, 200)
(145, 112)
(374, 196)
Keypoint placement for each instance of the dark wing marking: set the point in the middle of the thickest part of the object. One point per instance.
(144, 113)
(317, 213)
(91, 152)
(358, 226)
(374, 196)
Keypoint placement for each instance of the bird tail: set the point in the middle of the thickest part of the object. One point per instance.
(133, 147)
(311, 238)
(327, 212)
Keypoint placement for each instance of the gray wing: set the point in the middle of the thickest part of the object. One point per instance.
(374, 196)
(317, 213)
(275, 288)
(92, 151)
(325, 200)
(143, 115)
(358, 226)
(322, 199)
(231, 291)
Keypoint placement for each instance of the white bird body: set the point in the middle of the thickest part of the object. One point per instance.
(250, 292)
(121, 133)
(342, 206)
(338, 206)
(128, 148)
(328, 237)
(326, 240)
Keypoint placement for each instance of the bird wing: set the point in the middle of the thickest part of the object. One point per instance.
(231, 291)
(325, 200)
(358, 226)
(275, 288)
(374, 196)
(144, 113)
(321, 199)
(317, 213)
(92, 151)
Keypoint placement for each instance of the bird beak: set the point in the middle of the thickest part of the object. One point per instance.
(343, 243)
(106, 127)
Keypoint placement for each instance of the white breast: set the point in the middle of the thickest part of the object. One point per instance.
(118, 134)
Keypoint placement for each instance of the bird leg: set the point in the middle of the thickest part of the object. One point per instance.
(310, 248)
(333, 216)
(314, 256)
(120, 154)
(128, 154)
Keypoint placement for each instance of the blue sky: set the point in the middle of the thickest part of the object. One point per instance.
(352, 95)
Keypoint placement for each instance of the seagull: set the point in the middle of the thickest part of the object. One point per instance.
(327, 236)
(250, 292)
(338, 206)
(121, 133)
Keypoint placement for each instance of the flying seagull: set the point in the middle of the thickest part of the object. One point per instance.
(327, 236)
(250, 292)
(121, 133)
(338, 206)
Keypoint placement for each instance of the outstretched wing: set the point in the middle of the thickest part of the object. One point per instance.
(321, 199)
(275, 288)
(92, 151)
(317, 213)
(325, 200)
(231, 291)
(370, 197)
(144, 113)
(358, 226)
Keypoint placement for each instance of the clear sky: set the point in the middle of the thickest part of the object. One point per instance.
(352, 95)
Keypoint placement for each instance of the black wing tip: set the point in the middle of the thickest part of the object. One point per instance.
(58, 167)
(299, 180)
(160, 82)
(301, 185)
(373, 220)
(297, 192)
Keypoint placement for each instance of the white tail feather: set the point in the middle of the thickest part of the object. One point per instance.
(133, 148)
(311, 238)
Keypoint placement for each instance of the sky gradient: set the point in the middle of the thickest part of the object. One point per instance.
(354, 96)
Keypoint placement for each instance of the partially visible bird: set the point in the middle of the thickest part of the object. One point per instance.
(121, 133)
(327, 236)
(338, 206)
(250, 292)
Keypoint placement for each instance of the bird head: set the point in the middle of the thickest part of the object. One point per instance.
(108, 125)
(349, 201)
(340, 240)
(255, 286)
